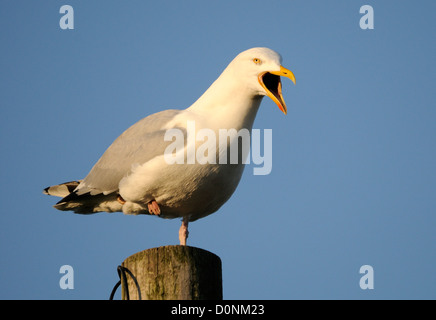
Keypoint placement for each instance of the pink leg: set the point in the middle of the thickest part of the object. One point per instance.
(153, 208)
(183, 232)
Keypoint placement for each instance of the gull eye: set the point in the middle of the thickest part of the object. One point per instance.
(257, 61)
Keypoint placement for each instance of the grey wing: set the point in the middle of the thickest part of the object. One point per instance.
(140, 143)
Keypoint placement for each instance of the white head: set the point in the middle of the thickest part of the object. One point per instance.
(260, 69)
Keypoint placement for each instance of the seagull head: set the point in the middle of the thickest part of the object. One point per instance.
(262, 69)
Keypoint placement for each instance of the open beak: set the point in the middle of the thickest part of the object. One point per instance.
(272, 84)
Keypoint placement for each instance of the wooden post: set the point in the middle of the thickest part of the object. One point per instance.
(173, 273)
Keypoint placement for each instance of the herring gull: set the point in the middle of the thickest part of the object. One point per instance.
(134, 175)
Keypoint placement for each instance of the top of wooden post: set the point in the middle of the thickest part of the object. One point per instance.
(174, 273)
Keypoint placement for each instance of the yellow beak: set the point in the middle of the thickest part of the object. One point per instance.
(272, 84)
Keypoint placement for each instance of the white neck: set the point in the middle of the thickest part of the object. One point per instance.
(228, 103)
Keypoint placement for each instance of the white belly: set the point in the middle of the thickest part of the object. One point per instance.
(181, 190)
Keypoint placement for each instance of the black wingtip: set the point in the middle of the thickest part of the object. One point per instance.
(74, 196)
(63, 189)
(68, 198)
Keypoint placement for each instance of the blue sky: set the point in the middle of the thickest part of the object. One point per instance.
(353, 178)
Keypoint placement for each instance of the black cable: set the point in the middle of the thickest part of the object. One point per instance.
(134, 280)
(114, 290)
(123, 279)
